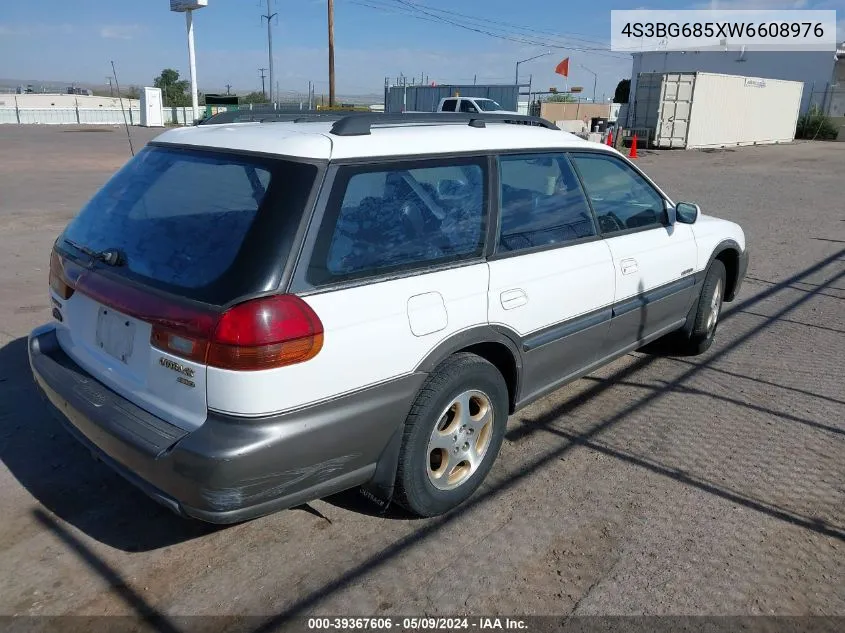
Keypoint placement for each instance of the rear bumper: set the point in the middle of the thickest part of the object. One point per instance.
(229, 469)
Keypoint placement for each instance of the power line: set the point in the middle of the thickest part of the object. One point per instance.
(515, 27)
(471, 23)
(506, 36)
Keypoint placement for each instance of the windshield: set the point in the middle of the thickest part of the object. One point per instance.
(181, 218)
(488, 105)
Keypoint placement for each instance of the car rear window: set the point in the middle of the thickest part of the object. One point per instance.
(183, 218)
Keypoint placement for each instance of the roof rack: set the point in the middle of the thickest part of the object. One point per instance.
(360, 124)
(259, 116)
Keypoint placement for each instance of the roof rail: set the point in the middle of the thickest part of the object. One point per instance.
(359, 124)
(263, 116)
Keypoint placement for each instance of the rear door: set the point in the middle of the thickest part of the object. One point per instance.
(393, 267)
(653, 261)
(187, 228)
(551, 278)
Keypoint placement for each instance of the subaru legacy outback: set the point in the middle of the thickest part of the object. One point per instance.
(249, 316)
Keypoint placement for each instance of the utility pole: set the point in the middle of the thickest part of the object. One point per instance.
(331, 53)
(228, 89)
(111, 91)
(263, 89)
(269, 17)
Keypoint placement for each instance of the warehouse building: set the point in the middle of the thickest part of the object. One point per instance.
(821, 72)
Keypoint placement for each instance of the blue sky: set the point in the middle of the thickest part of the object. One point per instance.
(74, 40)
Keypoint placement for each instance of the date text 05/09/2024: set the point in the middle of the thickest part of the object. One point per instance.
(417, 624)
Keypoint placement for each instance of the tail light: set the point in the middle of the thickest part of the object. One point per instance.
(258, 334)
(58, 280)
(265, 333)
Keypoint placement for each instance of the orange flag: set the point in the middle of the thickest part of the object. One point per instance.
(563, 68)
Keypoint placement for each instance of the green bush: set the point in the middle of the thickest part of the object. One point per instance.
(815, 125)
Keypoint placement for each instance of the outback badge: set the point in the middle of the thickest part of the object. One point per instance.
(166, 362)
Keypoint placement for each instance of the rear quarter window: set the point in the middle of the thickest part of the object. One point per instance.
(403, 217)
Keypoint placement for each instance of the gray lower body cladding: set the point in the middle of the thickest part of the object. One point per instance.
(229, 469)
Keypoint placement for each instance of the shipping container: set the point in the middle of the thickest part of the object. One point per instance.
(700, 110)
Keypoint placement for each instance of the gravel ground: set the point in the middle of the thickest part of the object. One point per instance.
(657, 485)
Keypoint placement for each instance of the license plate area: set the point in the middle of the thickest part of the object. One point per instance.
(115, 334)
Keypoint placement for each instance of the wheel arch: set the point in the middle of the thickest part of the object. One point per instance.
(728, 252)
(497, 345)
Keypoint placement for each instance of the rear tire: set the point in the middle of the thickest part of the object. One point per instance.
(452, 435)
(707, 314)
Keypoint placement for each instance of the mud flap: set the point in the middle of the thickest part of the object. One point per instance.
(379, 490)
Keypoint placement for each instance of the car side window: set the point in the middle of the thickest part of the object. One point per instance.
(621, 198)
(408, 216)
(468, 106)
(449, 105)
(541, 203)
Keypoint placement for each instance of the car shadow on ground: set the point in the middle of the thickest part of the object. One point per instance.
(32, 447)
(63, 476)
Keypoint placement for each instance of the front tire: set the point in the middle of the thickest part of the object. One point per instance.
(452, 435)
(708, 311)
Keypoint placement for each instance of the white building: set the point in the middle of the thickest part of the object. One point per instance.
(823, 73)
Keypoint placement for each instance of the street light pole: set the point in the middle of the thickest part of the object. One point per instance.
(192, 63)
(516, 78)
(595, 79)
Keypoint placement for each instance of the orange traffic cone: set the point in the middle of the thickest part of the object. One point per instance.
(633, 153)
(610, 137)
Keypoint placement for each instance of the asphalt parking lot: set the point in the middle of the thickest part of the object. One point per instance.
(658, 485)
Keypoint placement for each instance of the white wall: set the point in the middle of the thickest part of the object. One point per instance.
(37, 100)
(814, 68)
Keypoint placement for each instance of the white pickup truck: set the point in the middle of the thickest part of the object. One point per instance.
(471, 104)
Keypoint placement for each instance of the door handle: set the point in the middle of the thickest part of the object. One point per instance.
(511, 299)
(629, 266)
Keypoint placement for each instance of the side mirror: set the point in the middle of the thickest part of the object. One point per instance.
(687, 212)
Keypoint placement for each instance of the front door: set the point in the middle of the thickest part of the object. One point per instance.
(653, 261)
(551, 277)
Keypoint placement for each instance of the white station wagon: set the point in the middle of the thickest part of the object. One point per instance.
(250, 316)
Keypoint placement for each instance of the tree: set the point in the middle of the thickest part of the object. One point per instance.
(561, 97)
(133, 92)
(174, 91)
(253, 97)
(623, 91)
(814, 124)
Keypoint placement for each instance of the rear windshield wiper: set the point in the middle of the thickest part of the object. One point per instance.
(109, 256)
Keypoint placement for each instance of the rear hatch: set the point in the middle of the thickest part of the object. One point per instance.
(140, 277)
